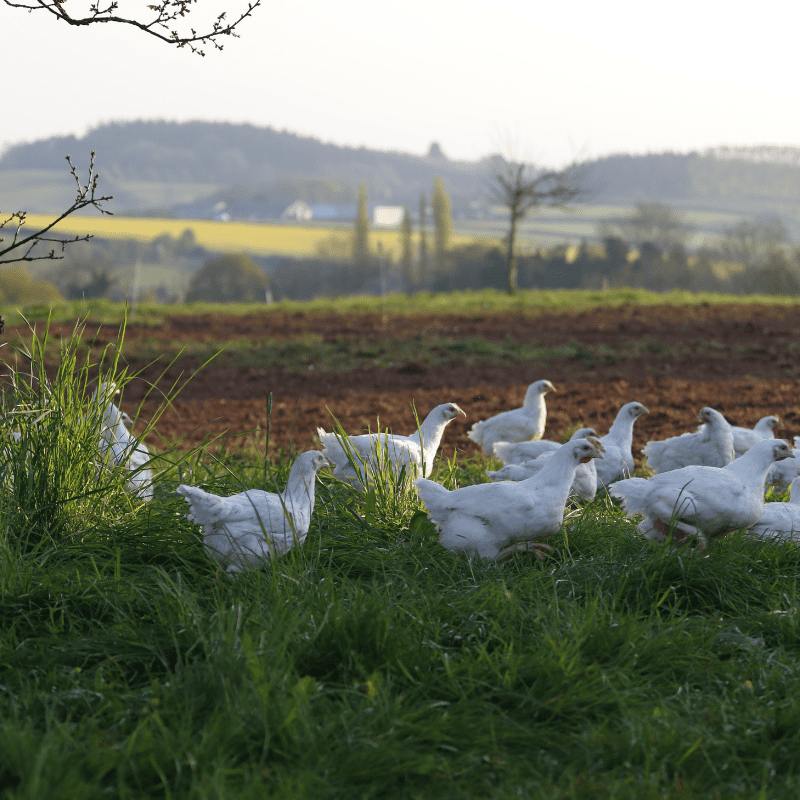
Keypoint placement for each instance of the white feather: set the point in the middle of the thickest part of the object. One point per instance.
(584, 484)
(520, 452)
(701, 500)
(780, 521)
(248, 529)
(618, 461)
(710, 447)
(517, 425)
(490, 519)
(122, 449)
(745, 438)
(415, 452)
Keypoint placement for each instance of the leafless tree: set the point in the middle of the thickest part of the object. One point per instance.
(162, 21)
(521, 188)
(27, 243)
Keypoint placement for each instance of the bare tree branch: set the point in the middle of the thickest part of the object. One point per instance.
(521, 188)
(165, 15)
(85, 197)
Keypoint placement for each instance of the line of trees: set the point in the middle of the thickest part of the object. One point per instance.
(752, 257)
(416, 264)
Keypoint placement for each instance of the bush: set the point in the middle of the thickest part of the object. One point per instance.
(17, 287)
(229, 279)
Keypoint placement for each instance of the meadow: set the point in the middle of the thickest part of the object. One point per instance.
(370, 662)
(525, 303)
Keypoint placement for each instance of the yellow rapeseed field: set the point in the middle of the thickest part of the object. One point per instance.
(258, 238)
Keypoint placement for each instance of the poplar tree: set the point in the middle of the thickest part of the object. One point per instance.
(442, 223)
(361, 235)
(406, 248)
(423, 238)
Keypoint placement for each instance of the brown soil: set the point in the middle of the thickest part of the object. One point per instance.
(740, 359)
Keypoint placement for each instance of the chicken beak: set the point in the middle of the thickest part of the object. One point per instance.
(600, 450)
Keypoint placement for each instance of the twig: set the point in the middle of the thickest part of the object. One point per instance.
(85, 197)
(166, 14)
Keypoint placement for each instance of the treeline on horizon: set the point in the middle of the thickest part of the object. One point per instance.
(93, 270)
(256, 162)
(612, 264)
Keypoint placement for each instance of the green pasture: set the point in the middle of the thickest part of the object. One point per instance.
(51, 191)
(443, 346)
(431, 349)
(532, 302)
(370, 663)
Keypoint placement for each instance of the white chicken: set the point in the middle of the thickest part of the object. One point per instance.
(517, 425)
(520, 452)
(780, 521)
(702, 501)
(745, 438)
(710, 447)
(122, 449)
(782, 473)
(618, 460)
(584, 484)
(246, 530)
(415, 452)
(497, 520)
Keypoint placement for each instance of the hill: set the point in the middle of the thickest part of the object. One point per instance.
(191, 168)
(277, 167)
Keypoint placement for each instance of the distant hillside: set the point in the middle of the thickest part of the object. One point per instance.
(763, 153)
(225, 154)
(730, 174)
(188, 168)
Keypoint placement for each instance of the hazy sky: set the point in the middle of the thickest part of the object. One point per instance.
(551, 81)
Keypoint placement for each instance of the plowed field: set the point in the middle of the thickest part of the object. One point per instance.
(740, 359)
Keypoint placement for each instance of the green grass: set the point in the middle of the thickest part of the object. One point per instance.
(373, 663)
(299, 354)
(485, 301)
